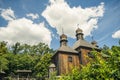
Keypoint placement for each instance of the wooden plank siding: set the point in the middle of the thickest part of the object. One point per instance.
(84, 56)
(64, 65)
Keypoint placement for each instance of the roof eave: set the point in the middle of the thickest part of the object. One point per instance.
(88, 47)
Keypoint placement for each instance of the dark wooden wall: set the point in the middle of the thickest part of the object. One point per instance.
(64, 65)
(84, 56)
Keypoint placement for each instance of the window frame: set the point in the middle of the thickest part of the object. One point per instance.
(70, 58)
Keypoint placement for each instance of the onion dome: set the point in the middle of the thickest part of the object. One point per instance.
(94, 43)
(79, 31)
(63, 37)
(79, 34)
(63, 40)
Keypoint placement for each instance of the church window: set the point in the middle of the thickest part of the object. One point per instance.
(90, 55)
(70, 58)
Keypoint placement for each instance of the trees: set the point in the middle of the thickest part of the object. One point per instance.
(23, 56)
(3, 60)
(41, 68)
(3, 63)
(114, 61)
(3, 48)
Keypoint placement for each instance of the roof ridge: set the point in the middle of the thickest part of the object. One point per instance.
(67, 49)
(82, 43)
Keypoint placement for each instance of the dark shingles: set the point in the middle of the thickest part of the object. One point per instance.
(82, 43)
(67, 49)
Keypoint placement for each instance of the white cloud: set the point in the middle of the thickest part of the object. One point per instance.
(25, 31)
(60, 15)
(116, 34)
(33, 16)
(8, 14)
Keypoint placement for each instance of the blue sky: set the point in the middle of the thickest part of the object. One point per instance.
(34, 21)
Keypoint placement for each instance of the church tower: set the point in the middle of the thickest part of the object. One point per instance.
(63, 40)
(83, 47)
(79, 34)
(65, 57)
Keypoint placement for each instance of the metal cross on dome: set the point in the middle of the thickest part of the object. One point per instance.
(78, 25)
(62, 30)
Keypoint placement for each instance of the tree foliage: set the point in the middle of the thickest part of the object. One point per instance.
(3, 60)
(41, 67)
(25, 57)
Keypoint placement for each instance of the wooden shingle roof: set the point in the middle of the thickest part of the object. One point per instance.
(67, 49)
(84, 43)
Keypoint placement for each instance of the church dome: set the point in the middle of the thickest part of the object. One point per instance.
(93, 42)
(63, 36)
(79, 30)
(79, 34)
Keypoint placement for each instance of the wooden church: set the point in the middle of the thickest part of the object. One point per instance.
(66, 57)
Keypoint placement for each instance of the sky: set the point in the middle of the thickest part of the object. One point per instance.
(34, 21)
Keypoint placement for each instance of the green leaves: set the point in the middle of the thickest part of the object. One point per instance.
(3, 60)
(41, 67)
(23, 56)
(3, 63)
